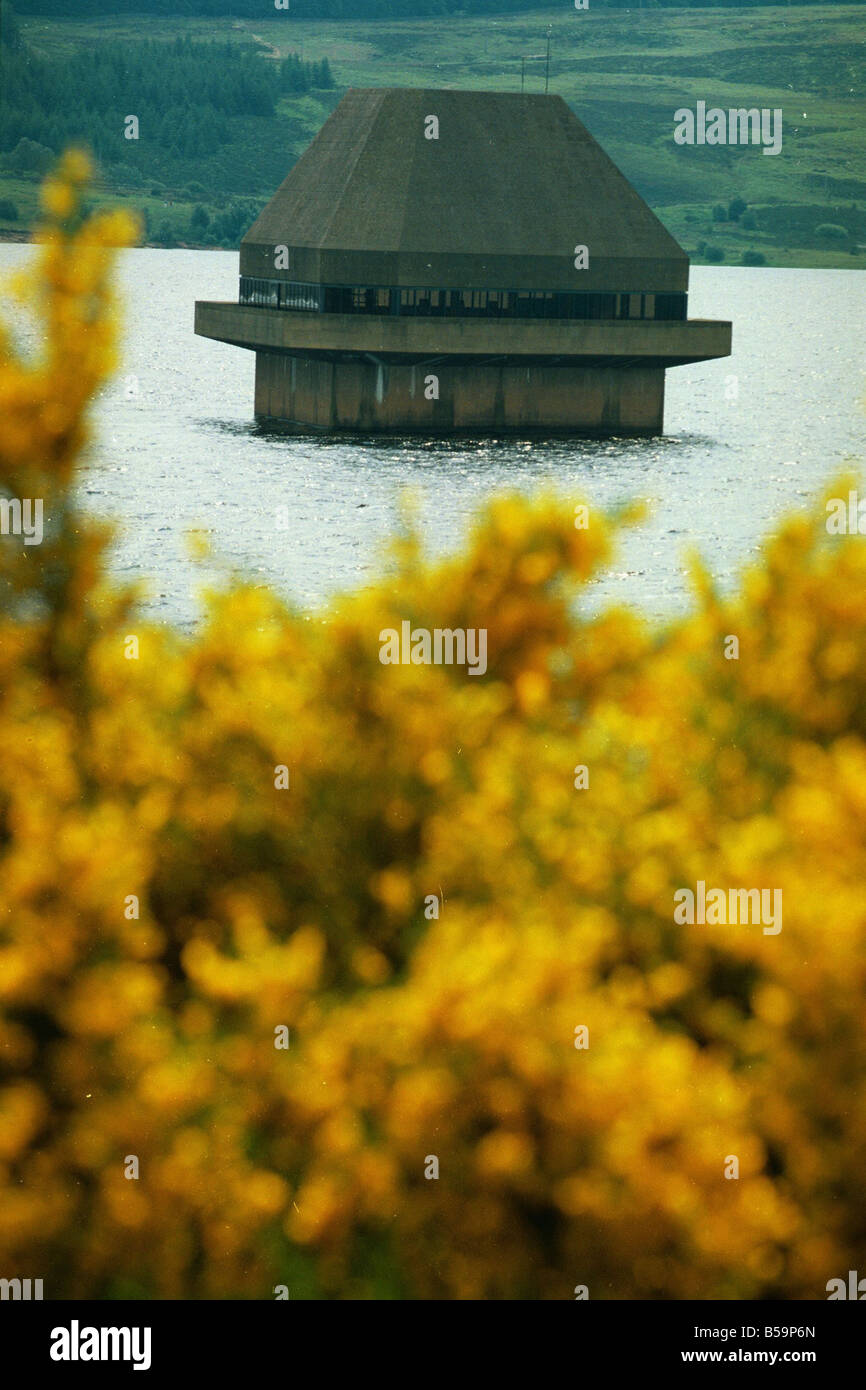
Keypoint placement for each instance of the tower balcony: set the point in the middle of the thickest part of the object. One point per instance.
(397, 339)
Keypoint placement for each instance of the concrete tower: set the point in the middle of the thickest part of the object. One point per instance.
(441, 262)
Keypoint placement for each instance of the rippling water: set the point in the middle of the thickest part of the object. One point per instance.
(177, 446)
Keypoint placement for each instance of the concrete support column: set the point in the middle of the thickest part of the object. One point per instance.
(369, 396)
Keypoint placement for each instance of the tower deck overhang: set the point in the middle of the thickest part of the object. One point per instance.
(359, 374)
(613, 343)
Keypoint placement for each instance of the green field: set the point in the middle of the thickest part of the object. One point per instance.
(624, 73)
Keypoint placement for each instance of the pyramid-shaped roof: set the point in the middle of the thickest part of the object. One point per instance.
(500, 199)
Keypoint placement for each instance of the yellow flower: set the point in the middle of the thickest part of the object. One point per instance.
(245, 987)
(58, 198)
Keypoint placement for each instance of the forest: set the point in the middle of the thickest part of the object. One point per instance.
(348, 9)
(197, 105)
(182, 94)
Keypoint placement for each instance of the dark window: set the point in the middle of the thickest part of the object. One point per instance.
(547, 304)
(338, 300)
(671, 306)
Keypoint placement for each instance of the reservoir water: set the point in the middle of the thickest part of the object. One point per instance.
(746, 440)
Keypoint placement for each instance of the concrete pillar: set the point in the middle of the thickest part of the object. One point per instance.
(369, 396)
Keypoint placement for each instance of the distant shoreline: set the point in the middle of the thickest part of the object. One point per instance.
(696, 263)
(9, 235)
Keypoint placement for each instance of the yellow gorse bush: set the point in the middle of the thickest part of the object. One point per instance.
(414, 1036)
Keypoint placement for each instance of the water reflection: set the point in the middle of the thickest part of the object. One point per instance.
(747, 438)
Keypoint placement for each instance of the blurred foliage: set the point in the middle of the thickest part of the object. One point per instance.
(305, 907)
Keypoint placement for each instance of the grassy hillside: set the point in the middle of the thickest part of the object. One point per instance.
(625, 73)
